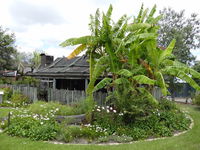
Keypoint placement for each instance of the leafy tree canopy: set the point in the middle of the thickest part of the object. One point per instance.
(7, 49)
(174, 25)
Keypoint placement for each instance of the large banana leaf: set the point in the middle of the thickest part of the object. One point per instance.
(88, 40)
(137, 26)
(161, 83)
(144, 14)
(177, 72)
(150, 16)
(125, 73)
(142, 36)
(122, 81)
(142, 79)
(99, 68)
(167, 52)
(102, 84)
(149, 95)
(77, 51)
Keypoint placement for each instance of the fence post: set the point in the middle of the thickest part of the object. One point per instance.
(9, 116)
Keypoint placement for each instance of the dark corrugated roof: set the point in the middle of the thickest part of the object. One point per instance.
(63, 66)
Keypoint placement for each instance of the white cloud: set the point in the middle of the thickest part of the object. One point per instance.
(43, 24)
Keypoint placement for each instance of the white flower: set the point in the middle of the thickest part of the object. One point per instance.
(114, 111)
(2, 123)
(107, 110)
(108, 107)
(98, 110)
(121, 114)
(111, 108)
(102, 107)
(41, 123)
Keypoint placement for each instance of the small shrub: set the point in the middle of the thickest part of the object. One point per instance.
(33, 126)
(73, 133)
(196, 99)
(165, 104)
(28, 81)
(19, 99)
(7, 93)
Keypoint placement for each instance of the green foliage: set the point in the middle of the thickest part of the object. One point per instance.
(145, 121)
(7, 50)
(7, 93)
(32, 128)
(19, 99)
(27, 80)
(42, 108)
(184, 29)
(74, 133)
(196, 99)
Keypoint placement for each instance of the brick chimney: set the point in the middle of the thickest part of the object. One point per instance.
(46, 60)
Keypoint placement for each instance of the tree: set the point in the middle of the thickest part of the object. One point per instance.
(174, 25)
(35, 60)
(27, 59)
(7, 50)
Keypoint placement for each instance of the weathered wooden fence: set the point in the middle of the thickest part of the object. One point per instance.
(30, 92)
(65, 96)
(73, 96)
(62, 96)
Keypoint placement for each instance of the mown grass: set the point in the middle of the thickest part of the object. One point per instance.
(187, 141)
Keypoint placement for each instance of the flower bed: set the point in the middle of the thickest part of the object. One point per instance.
(108, 125)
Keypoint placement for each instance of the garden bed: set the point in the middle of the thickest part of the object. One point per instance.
(107, 127)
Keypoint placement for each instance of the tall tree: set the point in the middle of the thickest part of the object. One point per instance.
(7, 49)
(174, 25)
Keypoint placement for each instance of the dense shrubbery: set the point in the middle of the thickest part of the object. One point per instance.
(13, 99)
(26, 80)
(196, 99)
(163, 120)
(34, 126)
(19, 99)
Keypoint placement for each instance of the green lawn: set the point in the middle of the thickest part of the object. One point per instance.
(187, 141)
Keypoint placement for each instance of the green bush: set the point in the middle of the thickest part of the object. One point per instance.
(28, 81)
(162, 120)
(196, 99)
(73, 133)
(19, 99)
(33, 126)
(167, 105)
(7, 93)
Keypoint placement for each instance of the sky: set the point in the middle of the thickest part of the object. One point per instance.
(43, 24)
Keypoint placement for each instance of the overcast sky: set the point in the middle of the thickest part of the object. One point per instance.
(44, 24)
